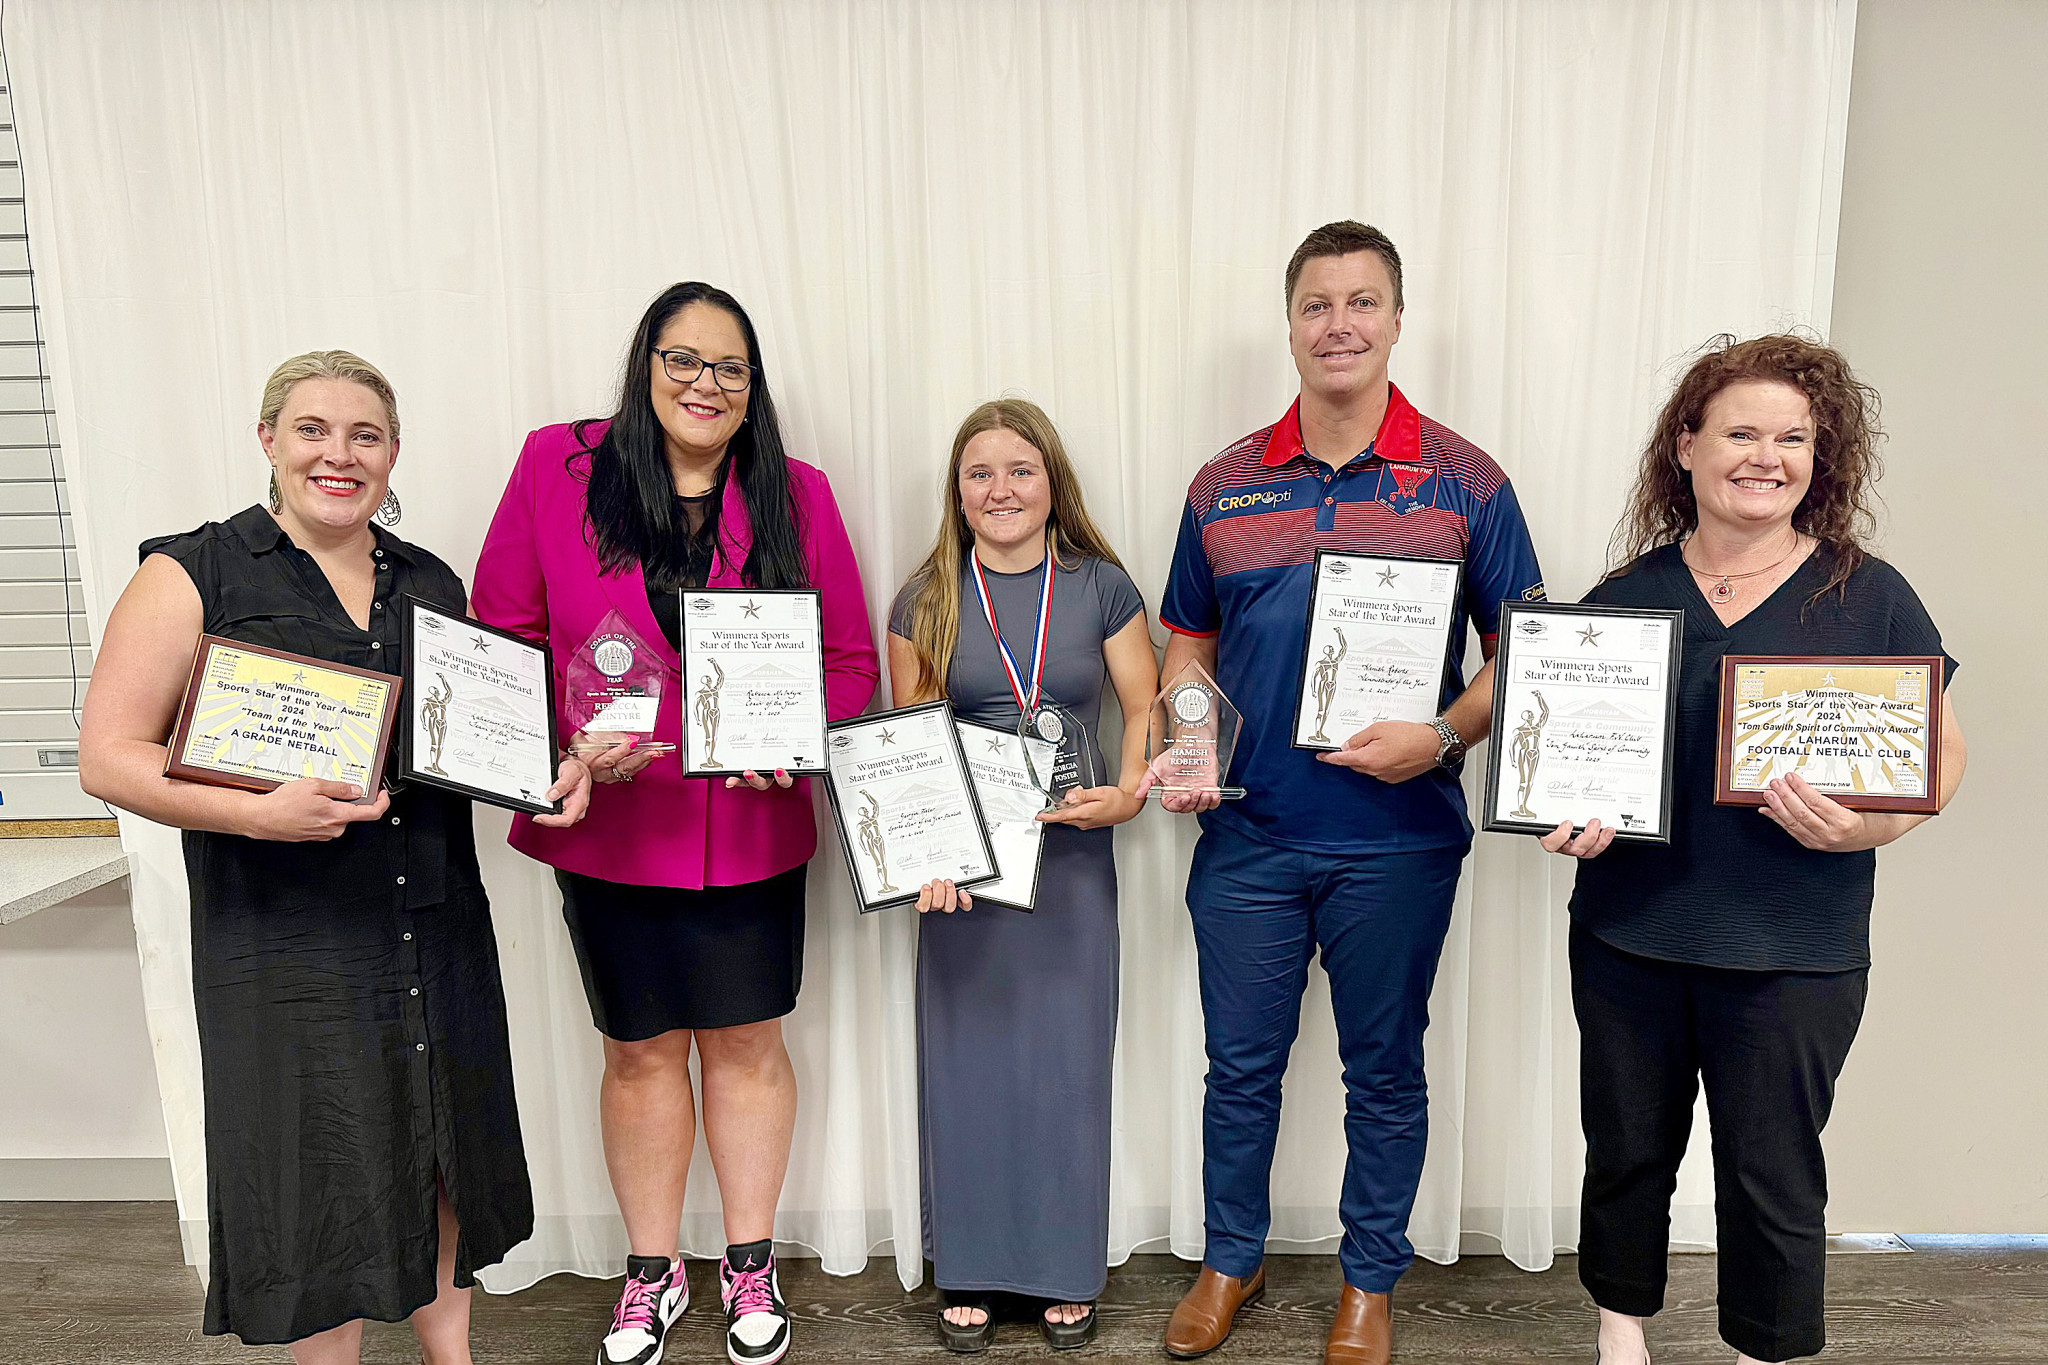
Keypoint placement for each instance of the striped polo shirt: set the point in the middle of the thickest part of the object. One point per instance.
(1255, 517)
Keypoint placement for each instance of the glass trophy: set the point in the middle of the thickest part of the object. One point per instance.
(613, 689)
(1070, 764)
(1192, 736)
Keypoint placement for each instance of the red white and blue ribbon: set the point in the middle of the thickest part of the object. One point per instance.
(988, 608)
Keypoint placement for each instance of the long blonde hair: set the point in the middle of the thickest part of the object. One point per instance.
(1070, 535)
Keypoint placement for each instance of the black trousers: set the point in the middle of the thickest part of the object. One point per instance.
(1769, 1046)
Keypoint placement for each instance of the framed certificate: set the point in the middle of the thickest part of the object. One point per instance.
(754, 682)
(1010, 802)
(1378, 643)
(480, 711)
(1865, 730)
(905, 804)
(1585, 712)
(258, 718)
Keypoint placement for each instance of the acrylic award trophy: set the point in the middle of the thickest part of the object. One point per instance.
(613, 688)
(1069, 765)
(1192, 736)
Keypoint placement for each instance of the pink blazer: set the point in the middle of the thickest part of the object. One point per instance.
(539, 576)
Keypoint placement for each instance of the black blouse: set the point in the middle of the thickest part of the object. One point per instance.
(260, 588)
(1731, 889)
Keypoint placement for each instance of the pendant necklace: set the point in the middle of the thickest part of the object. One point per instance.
(1724, 587)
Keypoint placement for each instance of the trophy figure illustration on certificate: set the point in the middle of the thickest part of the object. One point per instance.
(1526, 751)
(707, 712)
(1324, 685)
(434, 719)
(871, 842)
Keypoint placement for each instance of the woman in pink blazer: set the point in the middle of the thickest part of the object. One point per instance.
(683, 896)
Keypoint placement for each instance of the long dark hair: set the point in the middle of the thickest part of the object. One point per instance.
(631, 509)
(1838, 509)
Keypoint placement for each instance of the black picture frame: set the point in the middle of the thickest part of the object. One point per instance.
(839, 822)
(683, 653)
(1459, 618)
(408, 771)
(1511, 613)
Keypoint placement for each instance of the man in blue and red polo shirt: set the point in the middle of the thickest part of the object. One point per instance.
(1355, 853)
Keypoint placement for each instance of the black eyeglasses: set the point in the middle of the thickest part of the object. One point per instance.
(734, 376)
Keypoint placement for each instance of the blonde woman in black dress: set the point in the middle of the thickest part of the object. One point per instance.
(362, 1141)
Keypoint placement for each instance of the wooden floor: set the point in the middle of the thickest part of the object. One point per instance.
(103, 1284)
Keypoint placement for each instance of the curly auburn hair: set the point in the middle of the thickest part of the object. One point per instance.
(1838, 509)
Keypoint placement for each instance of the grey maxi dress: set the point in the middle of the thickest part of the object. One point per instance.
(1016, 1013)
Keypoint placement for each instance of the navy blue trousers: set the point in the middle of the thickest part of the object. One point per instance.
(1260, 913)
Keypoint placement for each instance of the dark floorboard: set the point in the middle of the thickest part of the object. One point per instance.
(103, 1284)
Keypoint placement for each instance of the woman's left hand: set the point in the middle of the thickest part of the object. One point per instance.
(572, 789)
(758, 782)
(1095, 808)
(1821, 823)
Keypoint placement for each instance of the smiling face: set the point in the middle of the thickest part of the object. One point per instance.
(1004, 492)
(698, 418)
(1752, 458)
(1342, 324)
(332, 450)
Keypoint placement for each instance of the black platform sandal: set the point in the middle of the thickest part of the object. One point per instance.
(1068, 1336)
(961, 1340)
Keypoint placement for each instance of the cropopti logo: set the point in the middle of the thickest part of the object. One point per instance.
(1238, 502)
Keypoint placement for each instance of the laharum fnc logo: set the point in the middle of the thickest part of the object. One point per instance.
(1408, 481)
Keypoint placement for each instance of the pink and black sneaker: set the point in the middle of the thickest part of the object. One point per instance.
(756, 1320)
(656, 1294)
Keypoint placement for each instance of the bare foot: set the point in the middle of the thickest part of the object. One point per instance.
(1621, 1340)
(1068, 1313)
(961, 1316)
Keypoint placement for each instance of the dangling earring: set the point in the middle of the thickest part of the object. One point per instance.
(276, 498)
(388, 511)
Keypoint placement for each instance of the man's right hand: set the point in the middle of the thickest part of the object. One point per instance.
(312, 810)
(1178, 802)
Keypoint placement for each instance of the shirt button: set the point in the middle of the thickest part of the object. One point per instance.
(415, 990)
(376, 644)
(408, 938)
(380, 554)
(382, 567)
(419, 1047)
(401, 882)
(394, 819)
(376, 606)
(1328, 501)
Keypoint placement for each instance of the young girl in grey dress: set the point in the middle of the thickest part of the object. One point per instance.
(1017, 1012)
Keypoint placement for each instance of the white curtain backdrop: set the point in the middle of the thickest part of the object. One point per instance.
(926, 204)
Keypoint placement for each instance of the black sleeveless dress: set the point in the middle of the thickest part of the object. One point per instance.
(352, 1034)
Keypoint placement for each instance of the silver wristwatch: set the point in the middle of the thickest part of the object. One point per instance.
(1453, 746)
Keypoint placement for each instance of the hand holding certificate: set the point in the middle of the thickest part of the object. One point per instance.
(1584, 715)
(257, 718)
(756, 665)
(482, 713)
(906, 807)
(1863, 731)
(1378, 644)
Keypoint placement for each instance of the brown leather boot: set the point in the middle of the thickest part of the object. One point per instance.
(1363, 1333)
(1207, 1312)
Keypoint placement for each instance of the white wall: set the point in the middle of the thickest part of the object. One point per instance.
(1940, 296)
(80, 1118)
